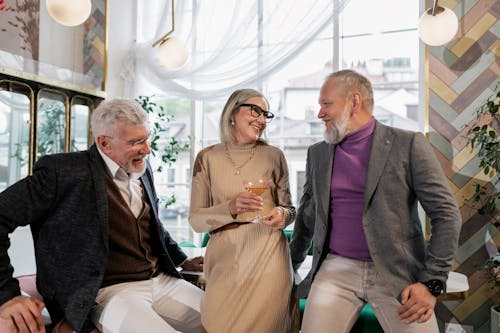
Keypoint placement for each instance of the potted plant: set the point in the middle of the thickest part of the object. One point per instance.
(169, 151)
(491, 272)
(483, 135)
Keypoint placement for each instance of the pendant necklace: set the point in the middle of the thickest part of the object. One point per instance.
(236, 167)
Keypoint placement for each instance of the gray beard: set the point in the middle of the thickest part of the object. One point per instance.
(337, 132)
(332, 135)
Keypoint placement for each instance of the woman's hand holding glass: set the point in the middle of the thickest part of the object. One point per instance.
(245, 202)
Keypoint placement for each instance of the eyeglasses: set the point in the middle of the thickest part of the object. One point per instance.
(256, 111)
(132, 143)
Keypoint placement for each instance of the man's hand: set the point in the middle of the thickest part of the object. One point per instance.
(193, 264)
(23, 315)
(418, 304)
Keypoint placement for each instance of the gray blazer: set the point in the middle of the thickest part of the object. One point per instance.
(402, 170)
(66, 205)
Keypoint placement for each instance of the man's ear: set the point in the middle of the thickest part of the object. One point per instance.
(356, 101)
(103, 142)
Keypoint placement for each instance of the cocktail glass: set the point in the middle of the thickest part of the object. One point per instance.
(257, 187)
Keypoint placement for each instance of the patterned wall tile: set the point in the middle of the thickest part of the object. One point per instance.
(478, 29)
(463, 74)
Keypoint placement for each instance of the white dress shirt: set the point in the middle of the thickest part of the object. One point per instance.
(128, 184)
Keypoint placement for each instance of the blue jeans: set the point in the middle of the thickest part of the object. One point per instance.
(339, 291)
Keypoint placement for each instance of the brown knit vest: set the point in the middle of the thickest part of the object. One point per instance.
(130, 253)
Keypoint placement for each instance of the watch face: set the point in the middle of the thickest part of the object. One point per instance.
(435, 287)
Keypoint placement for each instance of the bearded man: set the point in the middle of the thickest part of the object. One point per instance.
(359, 208)
(103, 257)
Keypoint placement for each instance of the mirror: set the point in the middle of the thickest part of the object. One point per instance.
(34, 44)
(15, 110)
(80, 124)
(51, 123)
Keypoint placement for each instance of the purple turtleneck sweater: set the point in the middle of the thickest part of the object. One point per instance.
(350, 165)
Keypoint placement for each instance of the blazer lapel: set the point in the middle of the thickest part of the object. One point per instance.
(147, 183)
(98, 171)
(381, 147)
(324, 179)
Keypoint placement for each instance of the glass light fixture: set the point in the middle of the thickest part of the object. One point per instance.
(171, 51)
(437, 25)
(69, 12)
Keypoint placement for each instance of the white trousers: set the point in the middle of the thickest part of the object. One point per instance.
(161, 304)
(339, 291)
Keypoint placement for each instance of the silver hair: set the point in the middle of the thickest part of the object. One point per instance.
(109, 113)
(236, 98)
(352, 80)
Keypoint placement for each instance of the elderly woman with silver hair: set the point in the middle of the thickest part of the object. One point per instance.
(240, 195)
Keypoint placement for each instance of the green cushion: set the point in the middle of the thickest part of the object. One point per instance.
(206, 238)
(367, 322)
(186, 244)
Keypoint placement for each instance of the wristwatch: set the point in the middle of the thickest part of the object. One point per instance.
(435, 287)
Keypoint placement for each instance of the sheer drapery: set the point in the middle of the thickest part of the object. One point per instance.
(230, 44)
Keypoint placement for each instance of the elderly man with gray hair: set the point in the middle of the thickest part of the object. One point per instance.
(359, 209)
(103, 256)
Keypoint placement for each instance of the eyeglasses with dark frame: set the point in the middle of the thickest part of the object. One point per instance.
(256, 111)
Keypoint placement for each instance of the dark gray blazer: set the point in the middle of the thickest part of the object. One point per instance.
(402, 170)
(65, 203)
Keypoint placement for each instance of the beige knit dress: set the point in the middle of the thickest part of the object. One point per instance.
(248, 269)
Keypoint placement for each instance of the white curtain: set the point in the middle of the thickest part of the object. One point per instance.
(231, 46)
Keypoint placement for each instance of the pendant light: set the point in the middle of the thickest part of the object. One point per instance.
(437, 25)
(69, 12)
(171, 51)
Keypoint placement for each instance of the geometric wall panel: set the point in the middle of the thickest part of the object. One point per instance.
(461, 76)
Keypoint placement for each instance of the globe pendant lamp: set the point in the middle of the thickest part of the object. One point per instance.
(69, 12)
(438, 25)
(171, 51)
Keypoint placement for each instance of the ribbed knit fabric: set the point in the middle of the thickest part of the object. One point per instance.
(248, 269)
(130, 253)
(350, 166)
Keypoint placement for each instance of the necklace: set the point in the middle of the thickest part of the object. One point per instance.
(236, 167)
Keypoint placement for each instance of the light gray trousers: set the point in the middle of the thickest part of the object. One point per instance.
(162, 304)
(339, 291)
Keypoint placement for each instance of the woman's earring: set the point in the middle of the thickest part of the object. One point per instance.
(232, 122)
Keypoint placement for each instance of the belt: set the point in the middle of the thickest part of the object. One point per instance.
(232, 225)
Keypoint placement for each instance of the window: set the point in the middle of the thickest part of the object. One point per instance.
(51, 123)
(170, 177)
(14, 137)
(80, 124)
(386, 51)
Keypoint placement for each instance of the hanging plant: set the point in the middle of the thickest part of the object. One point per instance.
(484, 135)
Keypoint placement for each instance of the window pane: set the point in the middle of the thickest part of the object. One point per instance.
(386, 51)
(14, 137)
(79, 136)
(51, 124)
(170, 179)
